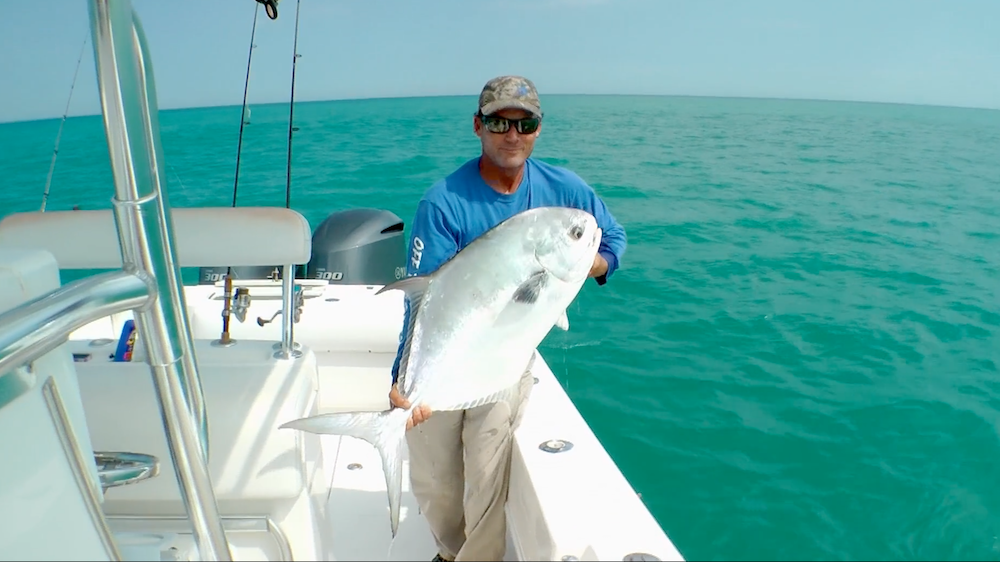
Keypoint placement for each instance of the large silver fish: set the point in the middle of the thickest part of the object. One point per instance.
(474, 324)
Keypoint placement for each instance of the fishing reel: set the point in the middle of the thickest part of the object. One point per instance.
(298, 301)
(239, 304)
(234, 304)
(271, 7)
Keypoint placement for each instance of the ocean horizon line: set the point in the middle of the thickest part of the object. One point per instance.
(553, 94)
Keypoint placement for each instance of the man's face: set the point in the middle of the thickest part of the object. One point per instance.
(508, 149)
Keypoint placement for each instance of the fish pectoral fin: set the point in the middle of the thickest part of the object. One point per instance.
(528, 291)
(413, 287)
(563, 321)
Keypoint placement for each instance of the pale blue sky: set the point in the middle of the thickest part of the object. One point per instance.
(944, 52)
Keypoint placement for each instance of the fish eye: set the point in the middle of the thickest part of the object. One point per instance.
(576, 232)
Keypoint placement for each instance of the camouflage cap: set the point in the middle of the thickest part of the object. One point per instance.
(509, 92)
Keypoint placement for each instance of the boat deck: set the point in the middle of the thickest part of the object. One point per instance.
(574, 503)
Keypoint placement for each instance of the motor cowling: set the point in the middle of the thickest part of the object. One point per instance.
(361, 246)
(212, 275)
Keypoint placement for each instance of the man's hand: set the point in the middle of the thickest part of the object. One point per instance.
(420, 414)
(600, 266)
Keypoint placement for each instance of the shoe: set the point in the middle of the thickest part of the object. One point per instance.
(439, 558)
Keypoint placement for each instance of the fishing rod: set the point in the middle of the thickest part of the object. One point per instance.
(246, 87)
(271, 6)
(291, 109)
(55, 151)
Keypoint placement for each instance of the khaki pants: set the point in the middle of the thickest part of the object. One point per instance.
(462, 496)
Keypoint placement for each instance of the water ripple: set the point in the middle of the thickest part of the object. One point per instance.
(799, 357)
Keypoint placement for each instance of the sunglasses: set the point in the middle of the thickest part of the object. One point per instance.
(501, 125)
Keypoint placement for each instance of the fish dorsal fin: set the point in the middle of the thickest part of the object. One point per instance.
(409, 285)
(563, 321)
(527, 292)
(413, 288)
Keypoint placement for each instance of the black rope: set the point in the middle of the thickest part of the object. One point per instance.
(291, 110)
(246, 86)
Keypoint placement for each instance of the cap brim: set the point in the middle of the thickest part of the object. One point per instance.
(500, 105)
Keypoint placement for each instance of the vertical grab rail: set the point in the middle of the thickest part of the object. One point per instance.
(289, 303)
(128, 104)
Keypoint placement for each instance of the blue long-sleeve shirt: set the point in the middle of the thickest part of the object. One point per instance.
(459, 208)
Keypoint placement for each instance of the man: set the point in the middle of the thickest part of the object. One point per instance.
(480, 194)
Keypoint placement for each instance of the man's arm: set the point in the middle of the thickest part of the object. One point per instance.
(613, 238)
(432, 242)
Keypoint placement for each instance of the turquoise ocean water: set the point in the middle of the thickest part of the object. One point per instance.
(799, 356)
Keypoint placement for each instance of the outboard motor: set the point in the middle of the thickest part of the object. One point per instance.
(211, 275)
(358, 247)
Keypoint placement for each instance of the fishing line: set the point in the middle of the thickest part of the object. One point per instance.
(179, 182)
(565, 350)
(566, 345)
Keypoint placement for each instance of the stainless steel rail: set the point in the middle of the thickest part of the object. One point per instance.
(37, 327)
(119, 468)
(232, 524)
(128, 103)
(286, 347)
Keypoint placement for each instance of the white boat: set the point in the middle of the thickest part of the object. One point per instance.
(101, 449)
